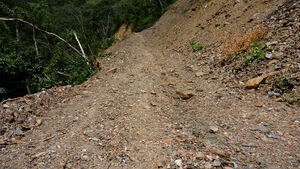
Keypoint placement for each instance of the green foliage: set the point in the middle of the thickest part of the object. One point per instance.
(196, 46)
(278, 32)
(103, 55)
(283, 84)
(291, 98)
(192, 42)
(94, 22)
(258, 52)
(2, 91)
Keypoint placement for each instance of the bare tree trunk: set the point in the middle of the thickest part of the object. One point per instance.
(17, 31)
(161, 5)
(79, 19)
(35, 43)
(17, 37)
(27, 87)
(83, 54)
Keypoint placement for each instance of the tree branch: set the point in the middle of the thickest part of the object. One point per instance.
(37, 28)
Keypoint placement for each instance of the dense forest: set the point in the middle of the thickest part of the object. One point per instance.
(38, 46)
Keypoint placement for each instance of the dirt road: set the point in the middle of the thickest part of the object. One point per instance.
(154, 106)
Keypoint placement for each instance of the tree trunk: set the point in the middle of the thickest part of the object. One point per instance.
(35, 43)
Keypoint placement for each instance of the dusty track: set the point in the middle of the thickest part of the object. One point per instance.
(129, 115)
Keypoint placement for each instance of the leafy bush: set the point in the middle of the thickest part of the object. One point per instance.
(196, 46)
(258, 52)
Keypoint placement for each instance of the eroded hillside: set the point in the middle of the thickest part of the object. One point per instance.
(168, 98)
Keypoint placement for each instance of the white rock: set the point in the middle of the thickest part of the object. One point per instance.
(269, 55)
(179, 163)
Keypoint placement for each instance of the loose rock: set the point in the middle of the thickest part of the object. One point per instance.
(219, 152)
(208, 165)
(213, 129)
(217, 163)
(263, 129)
(254, 83)
(199, 74)
(200, 155)
(179, 163)
(185, 95)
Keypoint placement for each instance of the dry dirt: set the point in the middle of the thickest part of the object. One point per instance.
(158, 104)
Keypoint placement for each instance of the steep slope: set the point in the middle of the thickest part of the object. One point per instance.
(156, 104)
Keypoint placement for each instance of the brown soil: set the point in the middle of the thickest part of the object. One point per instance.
(157, 104)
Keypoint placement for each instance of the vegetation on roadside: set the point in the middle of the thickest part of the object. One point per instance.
(250, 47)
(196, 46)
(32, 58)
(242, 44)
(283, 86)
(291, 98)
(257, 51)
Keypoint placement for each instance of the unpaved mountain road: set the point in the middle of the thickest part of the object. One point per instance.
(155, 108)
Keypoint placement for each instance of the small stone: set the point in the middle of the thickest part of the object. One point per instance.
(19, 132)
(95, 139)
(200, 156)
(213, 129)
(153, 92)
(276, 137)
(228, 168)
(271, 94)
(185, 94)
(279, 99)
(199, 74)
(69, 165)
(5, 106)
(259, 104)
(179, 163)
(217, 163)
(219, 152)
(153, 104)
(265, 139)
(189, 154)
(263, 129)
(298, 64)
(208, 165)
(171, 70)
(85, 157)
(160, 165)
(269, 55)
(38, 122)
(39, 154)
